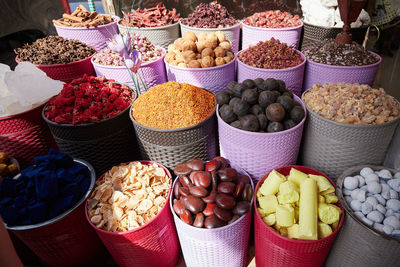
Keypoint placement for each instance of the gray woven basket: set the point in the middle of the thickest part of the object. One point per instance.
(332, 147)
(358, 244)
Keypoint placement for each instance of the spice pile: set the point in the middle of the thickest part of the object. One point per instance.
(7, 167)
(128, 196)
(273, 19)
(271, 54)
(150, 17)
(374, 198)
(54, 50)
(210, 15)
(88, 99)
(43, 191)
(259, 106)
(202, 51)
(81, 17)
(173, 105)
(210, 194)
(352, 103)
(298, 206)
(331, 53)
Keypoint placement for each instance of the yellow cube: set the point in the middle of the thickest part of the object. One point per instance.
(321, 199)
(288, 193)
(268, 203)
(323, 184)
(293, 231)
(331, 198)
(328, 213)
(270, 219)
(296, 177)
(284, 215)
(335, 225)
(271, 183)
(324, 230)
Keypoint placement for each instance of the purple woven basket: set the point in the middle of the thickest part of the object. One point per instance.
(317, 73)
(218, 247)
(293, 77)
(259, 153)
(213, 79)
(93, 36)
(252, 35)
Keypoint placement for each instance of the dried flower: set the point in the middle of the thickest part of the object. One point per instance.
(210, 15)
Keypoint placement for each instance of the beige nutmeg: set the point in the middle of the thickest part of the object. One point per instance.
(201, 36)
(188, 56)
(190, 36)
(207, 52)
(219, 52)
(219, 61)
(200, 46)
(189, 45)
(170, 56)
(174, 63)
(194, 64)
(230, 54)
(227, 59)
(182, 65)
(179, 58)
(227, 45)
(179, 44)
(220, 35)
(171, 48)
(207, 62)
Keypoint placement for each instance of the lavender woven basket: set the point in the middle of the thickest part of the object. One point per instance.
(218, 247)
(214, 79)
(317, 73)
(293, 77)
(93, 36)
(252, 35)
(231, 33)
(259, 153)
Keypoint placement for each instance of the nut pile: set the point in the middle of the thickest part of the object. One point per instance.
(128, 196)
(88, 99)
(351, 103)
(7, 167)
(81, 17)
(259, 106)
(374, 198)
(54, 50)
(271, 54)
(299, 206)
(273, 19)
(210, 194)
(150, 17)
(210, 15)
(201, 51)
(330, 53)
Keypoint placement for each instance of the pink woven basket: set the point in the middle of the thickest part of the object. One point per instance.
(153, 244)
(252, 35)
(214, 79)
(273, 249)
(218, 247)
(317, 73)
(293, 77)
(93, 36)
(258, 153)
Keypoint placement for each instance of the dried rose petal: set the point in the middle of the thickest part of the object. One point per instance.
(273, 19)
(212, 15)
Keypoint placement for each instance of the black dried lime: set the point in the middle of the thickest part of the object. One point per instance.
(271, 84)
(250, 96)
(236, 124)
(248, 83)
(282, 86)
(288, 93)
(275, 112)
(289, 124)
(241, 108)
(238, 90)
(275, 127)
(231, 85)
(226, 113)
(297, 114)
(263, 121)
(223, 98)
(286, 102)
(266, 98)
(234, 101)
(257, 109)
(250, 123)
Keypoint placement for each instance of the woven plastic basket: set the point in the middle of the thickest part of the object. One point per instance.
(258, 153)
(252, 35)
(93, 36)
(66, 240)
(317, 73)
(160, 36)
(218, 247)
(231, 33)
(214, 79)
(25, 136)
(358, 244)
(153, 244)
(293, 77)
(273, 249)
(333, 147)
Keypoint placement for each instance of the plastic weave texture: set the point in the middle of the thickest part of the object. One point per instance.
(317, 73)
(293, 77)
(154, 244)
(103, 144)
(25, 136)
(160, 36)
(357, 244)
(258, 153)
(313, 35)
(252, 35)
(93, 36)
(171, 147)
(231, 33)
(333, 147)
(218, 247)
(272, 249)
(214, 79)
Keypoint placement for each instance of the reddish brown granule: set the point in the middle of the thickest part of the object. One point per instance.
(273, 19)
(173, 105)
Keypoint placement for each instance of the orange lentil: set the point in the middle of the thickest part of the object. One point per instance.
(173, 105)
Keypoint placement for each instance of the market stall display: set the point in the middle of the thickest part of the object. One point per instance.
(9, 166)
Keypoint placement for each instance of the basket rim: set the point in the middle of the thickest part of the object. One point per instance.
(60, 65)
(40, 106)
(67, 212)
(287, 239)
(330, 28)
(211, 29)
(339, 184)
(346, 67)
(115, 17)
(258, 134)
(273, 29)
(148, 28)
(350, 125)
(163, 210)
(226, 65)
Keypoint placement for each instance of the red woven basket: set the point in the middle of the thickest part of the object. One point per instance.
(273, 249)
(153, 244)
